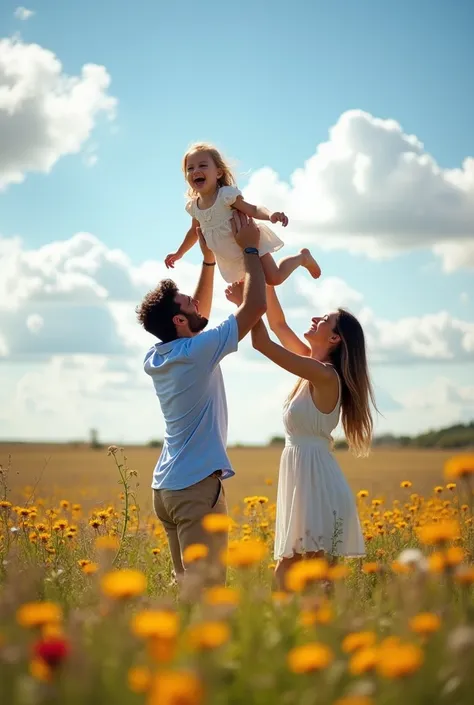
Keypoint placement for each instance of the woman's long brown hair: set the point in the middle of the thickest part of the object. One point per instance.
(349, 359)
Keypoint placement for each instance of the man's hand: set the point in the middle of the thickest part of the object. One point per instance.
(279, 218)
(244, 230)
(207, 253)
(235, 293)
(171, 259)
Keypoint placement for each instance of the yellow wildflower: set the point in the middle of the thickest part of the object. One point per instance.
(358, 640)
(310, 657)
(37, 614)
(363, 661)
(219, 595)
(155, 623)
(438, 533)
(370, 568)
(123, 584)
(465, 575)
(217, 523)
(425, 623)
(90, 568)
(242, 554)
(40, 670)
(436, 562)
(454, 555)
(176, 688)
(362, 494)
(303, 573)
(139, 679)
(195, 552)
(399, 660)
(208, 635)
(459, 466)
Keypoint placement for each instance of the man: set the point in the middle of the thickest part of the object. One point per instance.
(184, 367)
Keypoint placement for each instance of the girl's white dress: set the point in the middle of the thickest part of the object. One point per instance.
(315, 505)
(216, 228)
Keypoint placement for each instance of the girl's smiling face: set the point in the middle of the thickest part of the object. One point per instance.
(202, 174)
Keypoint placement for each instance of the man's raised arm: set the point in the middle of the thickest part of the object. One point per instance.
(254, 303)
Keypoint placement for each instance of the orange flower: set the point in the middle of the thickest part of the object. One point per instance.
(217, 523)
(425, 623)
(195, 552)
(176, 688)
(310, 657)
(363, 661)
(139, 679)
(208, 635)
(460, 466)
(123, 584)
(38, 614)
(358, 640)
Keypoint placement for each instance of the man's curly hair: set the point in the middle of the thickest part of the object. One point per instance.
(156, 311)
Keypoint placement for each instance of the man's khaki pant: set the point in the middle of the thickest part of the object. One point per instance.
(181, 513)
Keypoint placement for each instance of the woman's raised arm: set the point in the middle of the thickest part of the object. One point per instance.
(300, 365)
(277, 322)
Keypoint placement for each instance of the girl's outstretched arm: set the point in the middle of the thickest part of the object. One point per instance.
(277, 322)
(189, 241)
(259, 212)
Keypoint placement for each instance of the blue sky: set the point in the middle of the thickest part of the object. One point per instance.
(266, 81)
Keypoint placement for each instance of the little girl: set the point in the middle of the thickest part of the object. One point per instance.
(212, 194)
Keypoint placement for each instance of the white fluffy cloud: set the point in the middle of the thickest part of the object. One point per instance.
(67, 310)
(22, 13)
(78, 296)
(441, 392)
(373, 189)
(45, 114)
(430, 338)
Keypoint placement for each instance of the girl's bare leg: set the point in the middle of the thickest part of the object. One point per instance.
(276, 274)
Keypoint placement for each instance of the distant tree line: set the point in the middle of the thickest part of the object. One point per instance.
(457, 436)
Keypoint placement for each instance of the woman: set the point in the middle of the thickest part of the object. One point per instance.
(316, 512)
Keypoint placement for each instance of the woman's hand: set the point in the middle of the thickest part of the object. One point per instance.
(207, 253)
(235, 293)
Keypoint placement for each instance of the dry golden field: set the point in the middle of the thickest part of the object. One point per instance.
(89, 476)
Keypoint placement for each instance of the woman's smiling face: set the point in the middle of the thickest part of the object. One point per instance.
(322, 328)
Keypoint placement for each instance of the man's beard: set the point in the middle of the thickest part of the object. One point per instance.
(196, 322)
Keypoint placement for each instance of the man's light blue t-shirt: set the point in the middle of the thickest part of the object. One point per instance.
(189, 385)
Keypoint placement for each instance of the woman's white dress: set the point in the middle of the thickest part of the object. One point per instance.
(316, 509)
(216, 228)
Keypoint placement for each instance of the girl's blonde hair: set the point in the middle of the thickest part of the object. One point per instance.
(227, 178)
(350, 362)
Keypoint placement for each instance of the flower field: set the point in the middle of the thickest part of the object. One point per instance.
(90, 612)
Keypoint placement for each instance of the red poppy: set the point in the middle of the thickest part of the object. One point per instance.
(53, 651)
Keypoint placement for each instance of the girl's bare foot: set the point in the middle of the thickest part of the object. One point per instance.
(310, 264)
